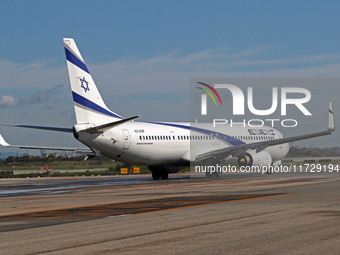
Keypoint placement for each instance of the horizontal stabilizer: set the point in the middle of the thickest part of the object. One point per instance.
(59, 129)
(104, 127)
(4, 143)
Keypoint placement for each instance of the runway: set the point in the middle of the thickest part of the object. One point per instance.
(238, 214)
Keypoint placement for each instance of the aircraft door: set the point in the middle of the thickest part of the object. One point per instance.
(126, 139)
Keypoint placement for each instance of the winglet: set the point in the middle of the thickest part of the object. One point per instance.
(331, 125)
(3, 142)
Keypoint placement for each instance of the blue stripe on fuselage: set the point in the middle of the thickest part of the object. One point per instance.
(74, 60)
(89, 104)
(223, 137)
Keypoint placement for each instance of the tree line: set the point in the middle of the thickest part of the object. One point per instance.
(296, 152)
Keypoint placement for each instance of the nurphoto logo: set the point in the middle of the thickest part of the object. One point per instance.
(296, 96)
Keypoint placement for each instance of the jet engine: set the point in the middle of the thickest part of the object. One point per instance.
(251, 158)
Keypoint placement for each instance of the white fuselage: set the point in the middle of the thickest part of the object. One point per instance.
(161, 143)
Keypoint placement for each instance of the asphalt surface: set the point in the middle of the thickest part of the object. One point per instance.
(238, 214)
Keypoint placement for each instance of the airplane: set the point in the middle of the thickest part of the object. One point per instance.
(165, 147)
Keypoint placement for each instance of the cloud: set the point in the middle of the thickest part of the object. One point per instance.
(65, 112)
(49, 107)
(36, 98)
(8, 100)
(211, 62)
(170, 73)
(290, 61)
(19, 76)
(157, 88)
(42, 97)
(218, 61)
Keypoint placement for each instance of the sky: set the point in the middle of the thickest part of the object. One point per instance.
(142, 55)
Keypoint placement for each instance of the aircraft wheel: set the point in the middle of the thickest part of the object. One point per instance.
(164, 174)
(217, 175)
(156, 175)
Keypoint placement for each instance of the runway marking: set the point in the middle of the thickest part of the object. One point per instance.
(136, 207)
(303, 199)
(116, 216)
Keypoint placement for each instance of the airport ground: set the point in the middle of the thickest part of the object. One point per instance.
(297, 213)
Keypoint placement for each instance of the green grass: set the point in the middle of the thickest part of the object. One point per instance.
(54, 166)
(113, 169)
(109, 168)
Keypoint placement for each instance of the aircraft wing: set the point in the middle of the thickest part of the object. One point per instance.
(240, 150)
(4, 143)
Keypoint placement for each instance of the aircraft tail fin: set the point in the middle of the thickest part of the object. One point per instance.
(88, 103)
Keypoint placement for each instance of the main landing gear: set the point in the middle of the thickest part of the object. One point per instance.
(213, 175)
(159, 173)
